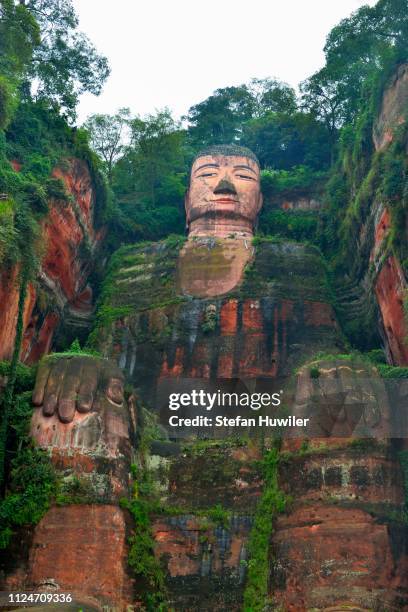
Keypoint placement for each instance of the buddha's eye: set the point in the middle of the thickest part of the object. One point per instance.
(207, 174)
(245, 177)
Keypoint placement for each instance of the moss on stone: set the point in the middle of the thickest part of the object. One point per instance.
(284, 269)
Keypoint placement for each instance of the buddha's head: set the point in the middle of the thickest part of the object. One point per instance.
(224, 196)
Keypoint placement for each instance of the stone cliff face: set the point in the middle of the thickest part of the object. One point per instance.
(342, 542)
(61, 291)
(383, 269)
(391, 282)
(393, 110)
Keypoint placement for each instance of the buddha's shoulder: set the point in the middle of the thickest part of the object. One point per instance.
(286, 269)
(145, 276)
(142, 274)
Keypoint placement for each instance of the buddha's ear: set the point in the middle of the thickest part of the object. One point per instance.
(187, 203)
(260, 201)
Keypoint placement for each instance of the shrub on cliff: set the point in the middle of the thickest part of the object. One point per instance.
(32, 477)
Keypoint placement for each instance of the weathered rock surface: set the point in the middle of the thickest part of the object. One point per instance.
(393, 112)
(379, 274)
(391, 290)
(205, 562)
(332, 558)
(338, 548)
(70, 238)
(80, 549)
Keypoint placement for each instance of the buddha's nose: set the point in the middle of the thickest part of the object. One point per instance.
(225, 187)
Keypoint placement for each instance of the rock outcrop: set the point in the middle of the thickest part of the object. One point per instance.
(378, 275)
(393, 111)
(62, 290)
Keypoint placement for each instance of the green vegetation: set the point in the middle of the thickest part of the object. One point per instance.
(388, 371)
(314, 372)
(141, 557)
(7, 399)
(287, 269)
(372, 358)
(297, 181)
(25, 375)
(294, 225)
(38, 42)
(76, 490)
(32, 480)
(357, 49)
(140, 277)
(270, 505)
(74, 349)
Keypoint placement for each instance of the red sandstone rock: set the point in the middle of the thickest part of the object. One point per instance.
(9, 292)
(83, 550)
(390, 289)
(381, 230)
(64, 271)
(334, 558)
(228, 318)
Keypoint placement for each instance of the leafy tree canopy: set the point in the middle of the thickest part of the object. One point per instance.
(149, 179)
(42, 50)
(19, 35)
(65, 63)
(108, 136)
(357, 49)
(282, 140)
(220, 118)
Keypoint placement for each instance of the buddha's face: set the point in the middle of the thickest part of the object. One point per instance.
(224, 197)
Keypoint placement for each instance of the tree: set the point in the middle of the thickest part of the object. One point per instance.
(65, 63)
(149, 180)
(220, 117)
(357, 50)
(282, 141)
(108, 136)
(155, 151)
(326, 99)
(368, 34)
(19, 36)
(270, 95)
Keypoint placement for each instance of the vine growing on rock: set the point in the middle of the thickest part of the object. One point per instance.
(9, 391)
(270, 505)
(141, 556)
(32, 481)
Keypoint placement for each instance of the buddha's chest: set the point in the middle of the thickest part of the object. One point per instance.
(263, 322)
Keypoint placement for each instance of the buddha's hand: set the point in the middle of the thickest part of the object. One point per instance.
(79, 383)
(343, 398)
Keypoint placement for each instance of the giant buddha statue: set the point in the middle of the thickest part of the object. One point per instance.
(222, 310)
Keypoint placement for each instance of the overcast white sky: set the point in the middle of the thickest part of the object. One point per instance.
(175, 53)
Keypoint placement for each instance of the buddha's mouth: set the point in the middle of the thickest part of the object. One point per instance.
(226, 201)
